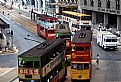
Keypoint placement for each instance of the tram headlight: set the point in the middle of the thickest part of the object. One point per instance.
(79, 76)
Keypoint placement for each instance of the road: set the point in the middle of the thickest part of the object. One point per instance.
(110, 60)
(9, 61)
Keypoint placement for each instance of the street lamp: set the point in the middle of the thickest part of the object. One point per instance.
(12, 46)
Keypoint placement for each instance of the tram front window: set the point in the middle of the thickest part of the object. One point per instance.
(79, 67)
(73, 66)
(80, 48)
(86, 66)
(51, 31)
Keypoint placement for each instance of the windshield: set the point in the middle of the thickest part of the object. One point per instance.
(111, 40)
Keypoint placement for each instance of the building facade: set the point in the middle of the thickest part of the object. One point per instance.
(102, 11)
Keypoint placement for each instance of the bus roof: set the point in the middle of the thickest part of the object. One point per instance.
(82, 36)
(46, 17)
(75, 13)
(63, 28)
(42, 48)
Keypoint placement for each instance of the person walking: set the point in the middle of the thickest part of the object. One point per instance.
(97, 61)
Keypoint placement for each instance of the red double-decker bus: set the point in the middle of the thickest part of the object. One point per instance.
(81, 55)
(46, 26)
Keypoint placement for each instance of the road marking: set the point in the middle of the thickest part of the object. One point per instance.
(4, 71)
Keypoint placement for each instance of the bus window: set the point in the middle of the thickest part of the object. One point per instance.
(79, 67)
(87, 48)
(28, 64)
(86, 66)
(86, 18)
(36, 64)
(79, 48)
(73, 66)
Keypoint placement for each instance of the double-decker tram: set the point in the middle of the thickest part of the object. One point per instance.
(77, 20)
(63, 31)
(81, 55)
(43, 63)
(46, 26)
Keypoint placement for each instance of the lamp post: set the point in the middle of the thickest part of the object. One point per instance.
(12, 40)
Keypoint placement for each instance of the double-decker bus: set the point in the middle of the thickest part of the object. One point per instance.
(76, 20)
(63, 31)
(81, 55)
(46, 26)
(43, 63)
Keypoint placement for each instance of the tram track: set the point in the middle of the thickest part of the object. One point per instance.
(24, 23)
(28, 24)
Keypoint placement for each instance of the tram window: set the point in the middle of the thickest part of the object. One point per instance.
(51, 31)
(62, 27)
(86, 66)
(87, 48)
(51, 21)
(68, 49)
(36, 64)
(43, 60)
(73, 48)
(28, 64)
(79, 67)
(80, 48)
(73, 66)
(41, 28)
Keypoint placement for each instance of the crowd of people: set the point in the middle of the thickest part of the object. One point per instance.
(101, 27)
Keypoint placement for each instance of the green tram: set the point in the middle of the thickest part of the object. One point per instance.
(63, 31)
(44, 62)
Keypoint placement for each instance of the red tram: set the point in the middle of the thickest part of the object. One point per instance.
(46, 26)
(81, 55)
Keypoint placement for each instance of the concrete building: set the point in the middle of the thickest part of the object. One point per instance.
(102, 11)
(39, 5)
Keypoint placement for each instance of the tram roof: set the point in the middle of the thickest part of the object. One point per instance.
(82, 36)
(39, 50)
(46, 17)
(63, 28)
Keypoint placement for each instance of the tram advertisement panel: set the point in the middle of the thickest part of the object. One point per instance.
(29, 73)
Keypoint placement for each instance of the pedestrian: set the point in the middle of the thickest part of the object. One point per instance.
(92, 26)
(100, 27)
(97, 61)
(3, 12)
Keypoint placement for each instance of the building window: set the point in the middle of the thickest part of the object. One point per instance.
(85, 2)
(118, 4)
(91, 3)
(99, 3)
(107, 4)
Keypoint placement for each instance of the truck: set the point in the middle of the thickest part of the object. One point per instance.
(107, 40)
